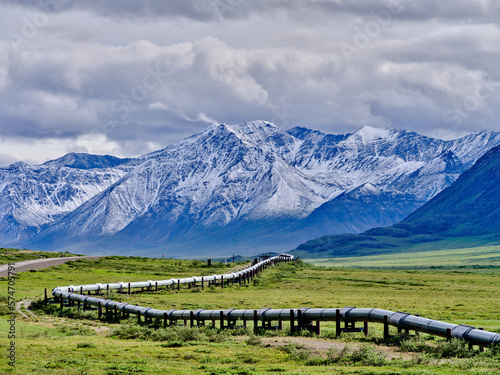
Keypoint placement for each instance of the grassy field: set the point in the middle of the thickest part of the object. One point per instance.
(15, 255)
(486, 256)
(52, 344)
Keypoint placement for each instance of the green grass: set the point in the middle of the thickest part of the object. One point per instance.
(486, 256)
(51, 344)
(19, 255)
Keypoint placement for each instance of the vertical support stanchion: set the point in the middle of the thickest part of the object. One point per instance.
(138, 316)
(45, 299)
(165, 317)
(386, 327)
(280, 325)
(244, 323)
(481, 348)
(61, 302)
(338, 330)
(365, 328)
(202, 283)
(239, 279)
(129, 289)
(99, 307)
(448, 334)
(292, 321)
(318, 327)
(221, 318)
(156, 286)
(417, 333)
(178, 285)
(299, 320)
(222, 281)
(115, 312)
(255, 321)
(79, 305)
(191, 318)
(107, 290)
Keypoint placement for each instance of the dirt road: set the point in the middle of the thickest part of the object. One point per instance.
(36, 264)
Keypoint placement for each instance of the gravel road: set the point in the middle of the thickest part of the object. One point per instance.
(36, 264)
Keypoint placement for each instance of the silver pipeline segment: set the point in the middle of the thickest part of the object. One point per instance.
(172, 282)
(398, 319)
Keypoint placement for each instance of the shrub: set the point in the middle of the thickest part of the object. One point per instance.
(85, 345)
(253, 340)
(368, 356)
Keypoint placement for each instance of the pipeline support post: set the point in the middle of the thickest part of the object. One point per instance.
(481, 348)
(292, 321)
(448, 334)
(255, 321)
(386, 327)
(45, 299)
(221, 319)
(338, 330)
(300, 323)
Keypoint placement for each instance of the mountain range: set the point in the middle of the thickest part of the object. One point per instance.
(240, 188)
(464, 214)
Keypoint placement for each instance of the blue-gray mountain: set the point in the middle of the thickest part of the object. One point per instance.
(239, 188)
(465, 214)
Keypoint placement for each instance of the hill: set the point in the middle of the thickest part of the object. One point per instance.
(467, 213)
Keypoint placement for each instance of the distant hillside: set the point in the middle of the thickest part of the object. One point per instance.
(468, 211)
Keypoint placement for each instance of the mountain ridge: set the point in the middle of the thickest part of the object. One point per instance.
(253, 177)
(469, 209)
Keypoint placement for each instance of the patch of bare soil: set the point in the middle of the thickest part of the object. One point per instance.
(320, 347)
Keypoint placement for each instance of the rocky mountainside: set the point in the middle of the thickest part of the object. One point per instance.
(242, 188)
(467, 212)
(33, 197)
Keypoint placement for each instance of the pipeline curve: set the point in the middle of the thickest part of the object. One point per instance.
(303, 316)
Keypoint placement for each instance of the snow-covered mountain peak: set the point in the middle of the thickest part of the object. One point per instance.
(254, 131)
(86, 161)
(369, 133)
(239, 176)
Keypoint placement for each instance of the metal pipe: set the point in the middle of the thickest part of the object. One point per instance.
(400, 320)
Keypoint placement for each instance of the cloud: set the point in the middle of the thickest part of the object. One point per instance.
(145, 74)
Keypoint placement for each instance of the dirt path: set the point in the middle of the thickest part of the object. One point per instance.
(36, 264)
(322, 346)
(26, 304)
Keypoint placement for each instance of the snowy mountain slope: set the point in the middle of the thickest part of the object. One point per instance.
(32, 197)
(211, 179)
(466, 214)
(250, 185)
(404, 161)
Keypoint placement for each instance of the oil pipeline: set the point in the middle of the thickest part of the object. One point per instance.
(299, 319)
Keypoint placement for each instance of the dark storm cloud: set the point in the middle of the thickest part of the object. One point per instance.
(203, 10)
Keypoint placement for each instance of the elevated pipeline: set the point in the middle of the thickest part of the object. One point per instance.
(303, 316)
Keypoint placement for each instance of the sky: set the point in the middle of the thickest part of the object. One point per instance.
(125, 77)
